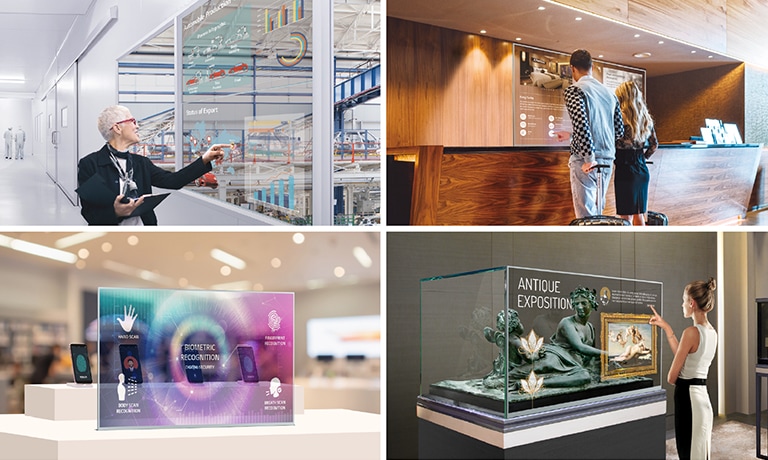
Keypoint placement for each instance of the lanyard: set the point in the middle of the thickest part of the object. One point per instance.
(127, 184)
(124, 175)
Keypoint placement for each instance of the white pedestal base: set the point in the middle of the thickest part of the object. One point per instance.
(78, 402)
(318, 434)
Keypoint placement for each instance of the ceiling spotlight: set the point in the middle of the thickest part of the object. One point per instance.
(227, 258)
(298, 238)
(339, 272)
(542, 8)
(362, 256)
(518, 39)
(483, 31)
(710, 57)
(276, 263)
(578, 18)
(77, 238)
(637, 35)
(642, 55)
(225, 270)
(106, 247)
(661, 42)
(83, 253)
(693, 51)
(133, 240)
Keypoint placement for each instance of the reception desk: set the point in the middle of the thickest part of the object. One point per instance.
(436, 185)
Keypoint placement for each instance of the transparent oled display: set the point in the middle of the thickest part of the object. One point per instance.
(194, 358)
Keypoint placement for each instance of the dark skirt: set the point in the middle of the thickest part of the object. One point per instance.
(631, 181)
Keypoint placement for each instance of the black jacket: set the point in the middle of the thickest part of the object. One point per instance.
(145, 174)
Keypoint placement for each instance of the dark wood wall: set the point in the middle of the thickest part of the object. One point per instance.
(680, 102)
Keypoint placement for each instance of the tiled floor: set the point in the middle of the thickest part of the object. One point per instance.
(29, 197)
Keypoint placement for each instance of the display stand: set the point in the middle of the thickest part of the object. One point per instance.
(608, 427)
(67, 431)
(761, 372)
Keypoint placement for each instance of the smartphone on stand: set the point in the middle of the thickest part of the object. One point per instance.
(81, 363)
(247, 363)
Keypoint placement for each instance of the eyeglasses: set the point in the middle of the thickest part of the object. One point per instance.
(129, 120)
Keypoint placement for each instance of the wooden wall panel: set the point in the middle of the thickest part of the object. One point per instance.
(680, 102)
(506, 188)
(732, 27)
(414, 76)
(614, 9)
(694, 21)
(701, 23)
(707, 186)
(745, 27)
(447, 87)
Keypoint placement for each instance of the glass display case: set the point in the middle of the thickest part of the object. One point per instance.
(507, 339)
(762, 332)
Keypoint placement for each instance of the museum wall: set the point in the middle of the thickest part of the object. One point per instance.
(672, 258)
(745, 267)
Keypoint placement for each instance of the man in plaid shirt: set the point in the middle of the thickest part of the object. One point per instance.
(597, 123)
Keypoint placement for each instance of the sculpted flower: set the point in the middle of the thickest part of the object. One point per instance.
(532, 384)
(532, 344)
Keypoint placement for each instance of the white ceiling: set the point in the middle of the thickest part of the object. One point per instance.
(557, 29)
(168, 257)
(31, 32)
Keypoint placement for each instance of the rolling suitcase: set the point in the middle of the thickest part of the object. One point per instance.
(600, 219)
(653, 217)
(656, 218)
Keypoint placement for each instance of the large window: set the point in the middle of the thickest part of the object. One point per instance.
(247, 81)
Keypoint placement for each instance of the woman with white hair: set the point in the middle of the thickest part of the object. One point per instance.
(130, 177)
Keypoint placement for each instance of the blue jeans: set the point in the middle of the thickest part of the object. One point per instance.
(584, 189)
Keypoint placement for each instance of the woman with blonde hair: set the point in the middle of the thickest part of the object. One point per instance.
(632, 177)
(694, 353)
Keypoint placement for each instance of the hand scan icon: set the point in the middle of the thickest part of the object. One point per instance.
(129, 316)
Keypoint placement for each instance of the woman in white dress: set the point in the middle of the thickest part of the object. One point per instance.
(693, 355)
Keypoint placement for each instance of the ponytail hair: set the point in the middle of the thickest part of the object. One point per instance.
(703, 292)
